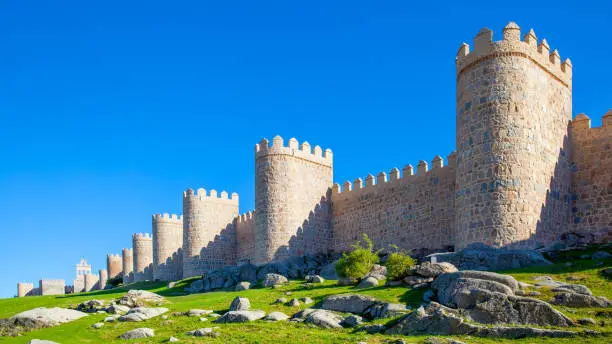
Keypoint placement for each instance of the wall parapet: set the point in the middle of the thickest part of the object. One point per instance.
(165, 217)
(212, 196)
(582, 121)
(114, 257)
(512, 45)
(142, 236)
(246, 217)
(395, 177)
(293, 148)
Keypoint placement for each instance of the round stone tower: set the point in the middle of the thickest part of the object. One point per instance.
(514, 104)
(103, 278)
(167, 243)
(143, 256)
(127, 258)
(290, 184)
(204, 217)
(114, 265)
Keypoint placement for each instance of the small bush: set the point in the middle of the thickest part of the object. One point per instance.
(398, 265)
(357, 263)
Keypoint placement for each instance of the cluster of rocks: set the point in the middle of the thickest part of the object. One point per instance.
(244, 276)
(478, 256)
(38, 318)
(571, 295)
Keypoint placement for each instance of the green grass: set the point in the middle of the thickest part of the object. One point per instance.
(80, 331)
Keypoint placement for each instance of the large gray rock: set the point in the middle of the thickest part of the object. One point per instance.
(271, 280)
(329, 271)
(348, 303)
(142, 314)
(367, 282)
(580, 300)
(320, 317)
(497, 308)
(203, 332)
(428, 269)
(41, 341)
(384, 310)
(352, 321)
(378, 272)
(439, 320)
(363, 305)
(601, 255)
(138, 333)
(314, 279)
(243, 286)
(416, 280)
(449, 284)
(91, 306)
(482, 257)
(48, 317)
(240, 316)
(276, 316)
(240, 304)
(117, 309)
(573, 288)
(138, 298)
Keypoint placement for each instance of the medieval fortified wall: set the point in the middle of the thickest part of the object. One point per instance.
(524, 175)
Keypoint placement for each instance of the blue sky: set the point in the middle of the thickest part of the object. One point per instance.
(109, 111)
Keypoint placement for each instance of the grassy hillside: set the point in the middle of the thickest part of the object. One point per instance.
(80, 331)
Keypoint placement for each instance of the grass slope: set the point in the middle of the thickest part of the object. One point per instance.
(80, 331)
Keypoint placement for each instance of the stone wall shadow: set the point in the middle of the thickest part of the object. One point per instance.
(554, 223)
(314, 237)
(221, 251)
(174, 264)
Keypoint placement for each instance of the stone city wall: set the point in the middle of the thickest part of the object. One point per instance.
(114, 265)
(79, 284)
(204, 218)
(412, 211)
(167, 247)
(514, 104)
(91, 282)
(25, 289)
(127, 260)
(103, 273)
(592, 178)
(52, 287)
(291, 185)
(143, 257)
(245, 237)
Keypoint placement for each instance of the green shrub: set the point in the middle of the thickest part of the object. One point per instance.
(357, 263)
(398, 265)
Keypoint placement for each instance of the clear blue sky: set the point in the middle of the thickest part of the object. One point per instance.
(108, 112)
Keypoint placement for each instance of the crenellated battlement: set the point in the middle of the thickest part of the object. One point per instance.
(127, 251)
(293, 148)
(212, 196)
(165, 217)
(246, 217)
(512, 45)
(142, 236)
(371, 182)
(583, 122)
(115, 257)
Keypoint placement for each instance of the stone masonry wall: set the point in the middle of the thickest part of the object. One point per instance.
(114, 265)
(91, 282)
(79, 284)
(204, 218)
(167, 247)
(127, 259)
(52, 287)
(592, 178)
(414, 212)
(143, 257)
(513, 110)
(291, 184)
(103, 278)
(245, 237)
(24, 289)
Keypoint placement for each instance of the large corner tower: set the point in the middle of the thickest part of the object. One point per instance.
(514, 104)
(291, 186)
